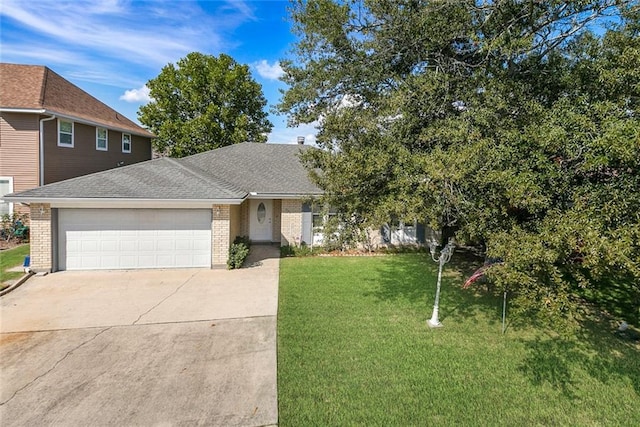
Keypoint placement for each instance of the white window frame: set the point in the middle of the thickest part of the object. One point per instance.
(60, 144)
(124, 150)
(106, 139)
(10, 178)
(318, 214)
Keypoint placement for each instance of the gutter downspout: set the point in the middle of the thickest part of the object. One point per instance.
(41, 166)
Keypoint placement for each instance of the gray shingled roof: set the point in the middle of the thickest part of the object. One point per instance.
(226, 173)
(260, 168)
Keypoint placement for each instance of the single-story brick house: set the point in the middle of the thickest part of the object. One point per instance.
(168, 213)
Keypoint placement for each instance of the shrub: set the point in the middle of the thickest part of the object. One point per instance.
(238, 252)
(296, 251)
(243, 239)
(13, 227)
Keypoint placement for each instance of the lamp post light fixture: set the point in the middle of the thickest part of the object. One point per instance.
(445, 257)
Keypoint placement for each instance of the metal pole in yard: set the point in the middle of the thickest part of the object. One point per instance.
(445, 256)
(504, 311)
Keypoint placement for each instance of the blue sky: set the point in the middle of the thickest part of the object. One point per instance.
(111, 48)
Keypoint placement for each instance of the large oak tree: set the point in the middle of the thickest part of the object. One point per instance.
(204, 102)
(516, 123)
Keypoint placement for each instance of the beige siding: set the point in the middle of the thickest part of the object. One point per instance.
(63, 163)
(19, 146)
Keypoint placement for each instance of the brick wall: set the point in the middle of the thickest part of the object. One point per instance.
(234, 222)
(220, 232)
(40, 237)
(244, 218)
(291, 222)
(277, 220)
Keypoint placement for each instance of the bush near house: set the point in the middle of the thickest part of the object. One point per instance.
(238, 252)
(298, 251)
(13, 229)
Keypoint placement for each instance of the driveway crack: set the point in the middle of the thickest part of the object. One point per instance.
(55, 365)
(164, 299)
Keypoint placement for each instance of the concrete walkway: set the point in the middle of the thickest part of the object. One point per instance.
(155, 347)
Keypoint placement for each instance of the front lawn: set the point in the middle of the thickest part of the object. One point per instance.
(11, 258)
(354, 349)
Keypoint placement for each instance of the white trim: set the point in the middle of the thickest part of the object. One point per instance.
(72, 134)
(75, 119)
(126, 203)
(130, 142)
(41, 152)
(23, 110)
(10, 178)
(254, 195)
(106, 139)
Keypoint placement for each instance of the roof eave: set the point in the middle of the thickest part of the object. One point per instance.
(75, 119)
(256, 195)
(23, 110)
(68, 202)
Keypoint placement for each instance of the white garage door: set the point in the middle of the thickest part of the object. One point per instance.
(92, 239)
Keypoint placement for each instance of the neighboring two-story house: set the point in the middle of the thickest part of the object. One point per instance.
(51, 130)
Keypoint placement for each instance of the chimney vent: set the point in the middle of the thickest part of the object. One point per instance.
(301, 140)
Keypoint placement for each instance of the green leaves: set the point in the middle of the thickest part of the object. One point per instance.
(508, 121)
(204, 102)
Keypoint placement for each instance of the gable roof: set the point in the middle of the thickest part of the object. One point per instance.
(267, 169)
(226, 175)
(37, 88)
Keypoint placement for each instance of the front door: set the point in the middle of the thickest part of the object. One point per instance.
(260, 219)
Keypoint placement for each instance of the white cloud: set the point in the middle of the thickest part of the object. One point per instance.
(140, 95)
(117, 34)
(271, 72)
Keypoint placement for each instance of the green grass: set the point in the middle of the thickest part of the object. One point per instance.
(354, 349)
(11, 258)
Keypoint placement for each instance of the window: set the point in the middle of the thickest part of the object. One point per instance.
(101, 139)
(262, 213)
(65, 133)
(6, 187)
(126, 143)
(321, 216)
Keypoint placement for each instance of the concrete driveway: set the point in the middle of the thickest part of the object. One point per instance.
(156, 347)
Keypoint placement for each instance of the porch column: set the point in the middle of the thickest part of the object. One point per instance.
(220, 235)
(40, 237)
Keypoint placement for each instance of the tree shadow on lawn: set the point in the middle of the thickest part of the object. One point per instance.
(595, 349)
(550, 358)
(413, 278)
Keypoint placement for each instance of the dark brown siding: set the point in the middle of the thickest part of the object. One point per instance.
(19, 145)
(64, 163)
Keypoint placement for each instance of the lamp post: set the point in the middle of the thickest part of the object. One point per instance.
(445, 257)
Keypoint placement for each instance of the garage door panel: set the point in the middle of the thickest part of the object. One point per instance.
(90, 244)
(134, 238)
(146, 245)
(109, 245)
